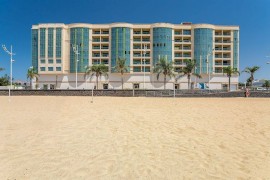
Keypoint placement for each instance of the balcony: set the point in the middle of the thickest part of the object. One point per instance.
(105, 55)
(136, 32)
(136, 40)
(177, 40)
(145, 40)
(218, 34)
(96, 32)
(136, 61)
(218, 56)
(178, 62)
(105, 32)
(186, 55)
(104, 47)
(96, 55)
(105, 40)
(177, 55)
(146, 32)
(226, 34)
(186, 32)
(187, 40)
(226, 49)
(96, 47)
(136, 47)
(226, 41)
(96, 40)
(226, 56)
(136, 55)
(187, 48)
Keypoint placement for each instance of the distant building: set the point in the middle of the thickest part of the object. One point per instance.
(55, 61)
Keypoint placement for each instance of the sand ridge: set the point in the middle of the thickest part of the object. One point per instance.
(134, 138)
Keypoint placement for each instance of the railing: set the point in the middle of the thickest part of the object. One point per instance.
(146, 32)
(136, 32)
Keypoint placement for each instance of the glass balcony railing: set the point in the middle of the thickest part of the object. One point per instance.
(226, 41)
(186, 55)
(146, 32)
(177, 40)
(96, 55)
(218, 56)
(187, 48)
(104, 40)
(105, 55)
(226, 34)
(218, 64)
(136, 40)
(218, 34)
(137, 55)
(177, 55)
(105, 32)
(186, 40)
(105, 47)
(178, 63)
(96, 32)
(226, 49)
(145, 40)
(96, 47)
(218, 49)
(226, 64)
(218, 71)
(96, 40)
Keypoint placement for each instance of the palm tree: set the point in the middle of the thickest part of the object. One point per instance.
(98, 70)
(31, 74)
(164, 67)
(251, 71)
(188, 70)
(121, 68)
(266, 84)
(230, 71)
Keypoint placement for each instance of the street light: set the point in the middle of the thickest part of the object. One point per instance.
(144, 53)
(11, 61)
(76, 51)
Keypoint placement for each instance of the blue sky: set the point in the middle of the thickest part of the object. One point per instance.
(253, 17)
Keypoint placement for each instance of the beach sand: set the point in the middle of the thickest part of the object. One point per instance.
(134, 138)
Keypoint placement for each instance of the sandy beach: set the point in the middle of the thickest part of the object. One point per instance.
(134, 138)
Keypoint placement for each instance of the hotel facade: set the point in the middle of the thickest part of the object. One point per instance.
(142, 45)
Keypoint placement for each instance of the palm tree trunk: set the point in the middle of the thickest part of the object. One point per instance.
(188, 82)
(229, 83)
(164, 82)
(30, 83)
(97, 82)
(252, 79)
(122, 81)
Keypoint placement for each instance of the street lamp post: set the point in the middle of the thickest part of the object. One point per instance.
(76, 51)
(144, 53)
(11, 61)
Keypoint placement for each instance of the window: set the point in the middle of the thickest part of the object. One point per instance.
(50, 61)
(58, 61)
(42, 68)
(50, 68)
(42, 61)
(136, 86)
(58, 68)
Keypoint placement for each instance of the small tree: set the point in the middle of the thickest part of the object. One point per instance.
(98, 70)
(4, 80)
(31, 74)
(266, 84)
(164, 67)
(121, 68)
(229, 72)
(251, 71)
(188, 70)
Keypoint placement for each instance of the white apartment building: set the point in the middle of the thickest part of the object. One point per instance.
(212, 46)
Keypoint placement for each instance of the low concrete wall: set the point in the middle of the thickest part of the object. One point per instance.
(131, 93)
